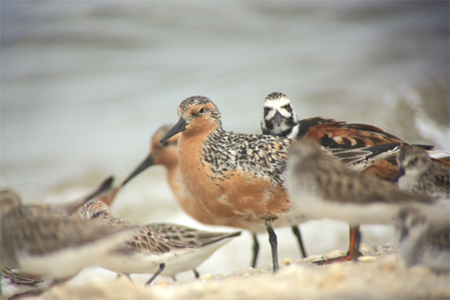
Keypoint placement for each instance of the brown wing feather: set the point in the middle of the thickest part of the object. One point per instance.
(335, 134)
(148, 241)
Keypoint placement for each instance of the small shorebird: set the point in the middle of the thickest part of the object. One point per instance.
(40, 245)
(279, 118)
(206, 242)
(14, 283)
(424, 239)
(322, 187)
(166, 154)
(145, 253)
(418, 173)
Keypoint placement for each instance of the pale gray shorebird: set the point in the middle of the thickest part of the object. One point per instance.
(279, 118)
(424, 237)
(145, 253)
(41, 245)
(166, 154)
(322, 187)
(419, 173)
(207, 242)
(14, 283)
(233, 175)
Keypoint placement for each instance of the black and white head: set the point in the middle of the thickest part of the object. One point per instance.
(279, 117)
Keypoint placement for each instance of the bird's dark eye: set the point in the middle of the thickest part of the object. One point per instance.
(166, 144)
(201, 110)
(96, 214)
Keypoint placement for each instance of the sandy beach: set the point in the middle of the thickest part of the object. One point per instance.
(380, 274)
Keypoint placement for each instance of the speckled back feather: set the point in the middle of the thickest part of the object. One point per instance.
(262, 155)
(192, 236)
(145, 240)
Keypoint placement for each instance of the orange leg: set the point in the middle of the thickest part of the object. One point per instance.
(353, 253)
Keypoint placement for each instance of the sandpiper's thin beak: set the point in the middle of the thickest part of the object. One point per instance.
(105, 186)
(403, 234)
(399, 174)
(177, 128)
(148, 161)
(278, 118)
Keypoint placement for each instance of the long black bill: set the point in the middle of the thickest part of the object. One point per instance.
(177, 128)
(399, 174)
(148, 161)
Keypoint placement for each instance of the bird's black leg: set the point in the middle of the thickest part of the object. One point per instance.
(255, 250)
(357, 242)
(273, 244)
(196, 274)
(298, 235)
(161, 268)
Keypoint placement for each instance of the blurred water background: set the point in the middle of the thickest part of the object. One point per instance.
(85, 84)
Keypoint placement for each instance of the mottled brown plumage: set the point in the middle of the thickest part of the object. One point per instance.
(145, 240)
(188, 235)
(166, 154)
(233, 175)
(178, 247)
